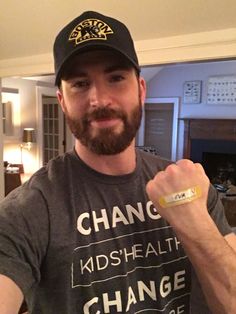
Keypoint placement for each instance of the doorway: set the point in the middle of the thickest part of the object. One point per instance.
(53, 132)
(159, 126)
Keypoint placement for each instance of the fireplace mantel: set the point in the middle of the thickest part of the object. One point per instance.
(207, 129)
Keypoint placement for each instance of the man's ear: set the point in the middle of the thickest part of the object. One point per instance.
(143, 89)
(60, 98)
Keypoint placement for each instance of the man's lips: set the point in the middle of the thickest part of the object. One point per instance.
(104, 122)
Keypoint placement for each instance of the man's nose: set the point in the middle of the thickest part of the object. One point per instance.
(99, 96)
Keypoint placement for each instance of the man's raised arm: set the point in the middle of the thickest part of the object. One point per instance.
(180, 194)
(11, 296)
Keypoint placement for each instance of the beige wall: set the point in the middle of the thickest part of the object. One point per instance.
(1, 153)
(26, 116)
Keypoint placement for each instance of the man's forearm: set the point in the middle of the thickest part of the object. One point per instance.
(11, 296)
(214, 261)
(180, 194)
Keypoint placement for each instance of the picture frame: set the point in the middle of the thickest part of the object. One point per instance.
(192, 91)
(221, 90)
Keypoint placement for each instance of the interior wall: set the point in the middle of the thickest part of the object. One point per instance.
(1, 151)
(27, 119)
(169, 83)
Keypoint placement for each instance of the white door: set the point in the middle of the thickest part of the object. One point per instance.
(53, 132)
(2, 192)
(159, 126)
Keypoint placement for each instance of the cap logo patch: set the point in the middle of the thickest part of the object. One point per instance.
(90, 29)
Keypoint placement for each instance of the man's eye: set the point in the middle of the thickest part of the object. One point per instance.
(117, 78)
(81, 84)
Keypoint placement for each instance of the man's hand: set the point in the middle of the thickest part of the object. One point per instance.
(176, 178)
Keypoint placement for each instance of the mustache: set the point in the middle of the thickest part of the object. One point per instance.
(103, 113)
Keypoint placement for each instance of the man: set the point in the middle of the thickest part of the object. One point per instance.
(106, 228)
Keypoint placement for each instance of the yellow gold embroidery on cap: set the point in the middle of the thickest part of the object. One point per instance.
(90, 29)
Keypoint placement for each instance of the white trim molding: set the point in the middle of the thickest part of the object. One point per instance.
(31, 65)
(213, 45)
(219, 44)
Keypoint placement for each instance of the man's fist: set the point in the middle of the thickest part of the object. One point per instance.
(184, 180)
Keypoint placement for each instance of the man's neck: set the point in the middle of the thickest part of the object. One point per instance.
(118, 164)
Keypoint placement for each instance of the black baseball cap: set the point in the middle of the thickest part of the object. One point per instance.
(92, 30)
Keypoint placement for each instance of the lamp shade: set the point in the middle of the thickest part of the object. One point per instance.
(28, 135)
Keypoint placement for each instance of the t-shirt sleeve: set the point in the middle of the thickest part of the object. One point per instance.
(217, 212)
(23, 236)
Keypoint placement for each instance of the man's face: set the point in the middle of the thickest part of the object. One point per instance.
(102, 98)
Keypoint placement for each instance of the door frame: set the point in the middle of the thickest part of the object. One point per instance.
(161, 100)
(40, 92)
(2, 188)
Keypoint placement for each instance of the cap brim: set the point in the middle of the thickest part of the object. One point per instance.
(90, 47)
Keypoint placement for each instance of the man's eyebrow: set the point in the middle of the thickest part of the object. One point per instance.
(117, 67)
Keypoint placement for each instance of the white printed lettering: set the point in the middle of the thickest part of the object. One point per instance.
(131, 212)
(143, 288)
(88, 265)
(129, 254)
(100, 259)
(179, 280)
(114, 258)
(137, 251)
(150, 250)
(160, 249)
(80, 227)
(131, 299)
(103, 220)
(89, 304)
(152, 211)
(118, 216)
(116, 302)
(165, 286)
(178, 310)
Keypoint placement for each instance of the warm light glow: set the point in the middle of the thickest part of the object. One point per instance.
(11, 154)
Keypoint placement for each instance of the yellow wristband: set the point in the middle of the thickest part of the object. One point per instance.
(180, 197)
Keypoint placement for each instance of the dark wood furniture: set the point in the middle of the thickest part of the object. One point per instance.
(12, 181)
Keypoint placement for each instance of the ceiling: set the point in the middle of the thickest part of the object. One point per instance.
(28, 28)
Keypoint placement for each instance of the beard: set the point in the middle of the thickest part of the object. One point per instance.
(106, 141)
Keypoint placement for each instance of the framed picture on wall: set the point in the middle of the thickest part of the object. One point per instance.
(192, 92)
(221, 90)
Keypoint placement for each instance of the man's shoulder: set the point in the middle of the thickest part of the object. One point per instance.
(55, 166)
(152, 160)
(51, 176)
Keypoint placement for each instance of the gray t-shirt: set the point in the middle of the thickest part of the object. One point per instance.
(78, 241)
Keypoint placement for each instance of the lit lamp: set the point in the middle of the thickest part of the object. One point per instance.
(28, 138)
